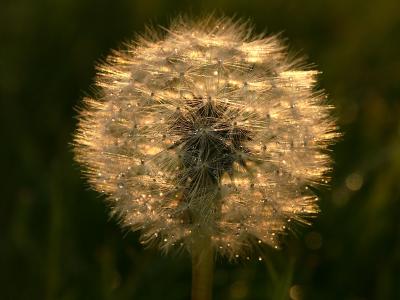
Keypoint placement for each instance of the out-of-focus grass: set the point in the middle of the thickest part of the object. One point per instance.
(57, 241)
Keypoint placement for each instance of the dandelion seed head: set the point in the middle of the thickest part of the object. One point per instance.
(206, 131)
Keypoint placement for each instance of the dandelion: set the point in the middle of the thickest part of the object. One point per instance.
(206, 138)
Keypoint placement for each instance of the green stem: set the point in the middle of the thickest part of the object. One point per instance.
(202, 271)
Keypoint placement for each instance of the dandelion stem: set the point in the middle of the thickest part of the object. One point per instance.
(202, 271)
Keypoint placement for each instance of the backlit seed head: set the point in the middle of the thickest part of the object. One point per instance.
(206, 131)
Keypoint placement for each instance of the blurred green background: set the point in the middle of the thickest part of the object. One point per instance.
(57, 241)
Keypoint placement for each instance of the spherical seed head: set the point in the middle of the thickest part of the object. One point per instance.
(206, 132)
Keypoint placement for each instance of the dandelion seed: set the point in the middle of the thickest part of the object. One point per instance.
(213, 131)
